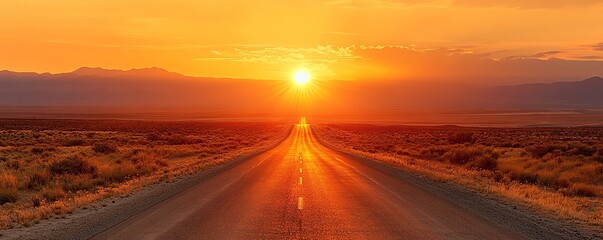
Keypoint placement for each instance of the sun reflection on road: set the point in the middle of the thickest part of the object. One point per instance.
(302, 122)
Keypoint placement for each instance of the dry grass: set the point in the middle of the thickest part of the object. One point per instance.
(560, 170)
(8, 188)
(51, 167)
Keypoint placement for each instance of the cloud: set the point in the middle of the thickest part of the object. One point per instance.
(590, 57)
(598, 46)
(528, 4)
(458, 65)
(538, 55)
(279, 55)
(545, 54)
(337, 2)
(344, 33)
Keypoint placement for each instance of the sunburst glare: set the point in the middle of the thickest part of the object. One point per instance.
(301, 77)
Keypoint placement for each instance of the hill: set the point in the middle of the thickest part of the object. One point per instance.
(152, 88)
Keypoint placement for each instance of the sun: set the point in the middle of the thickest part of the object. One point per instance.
(301, 77)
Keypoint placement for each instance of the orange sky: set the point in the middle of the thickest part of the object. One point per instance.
(460, 40)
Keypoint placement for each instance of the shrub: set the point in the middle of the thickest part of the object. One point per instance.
(140, 157)
(178, 140)
(38, 179)
(583, 190)
(72, 165)
(487, 162)
(8, 195)
(541, 150)
(597, 158)
(434, 152)
(104, 148)
(14, 164)
(524, 177)
(52, 193)
(561, 183)
(74, 142)
(473, 157)
(378, 148)
(584, 150)
(460, 156)
(153, 137)
(7, 180)
(8, 188)
(402, 152)
(37, 200)
(461, 137)
(74, 183)
(119, 173)
(37, 150)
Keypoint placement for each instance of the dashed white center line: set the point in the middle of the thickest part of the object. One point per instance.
(300, 200)
(300, 203)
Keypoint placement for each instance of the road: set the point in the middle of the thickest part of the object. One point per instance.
(304, 190)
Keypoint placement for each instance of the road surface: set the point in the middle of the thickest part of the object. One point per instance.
(303, 190)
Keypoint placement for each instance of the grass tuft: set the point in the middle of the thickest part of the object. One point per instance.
(104, 148)
(75, 142)
(72, 165)
(462, 137)
(8, 188)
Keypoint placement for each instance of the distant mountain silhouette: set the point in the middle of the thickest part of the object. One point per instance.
(156, 87)
(152, 72)
(587, 93)
(138, 88)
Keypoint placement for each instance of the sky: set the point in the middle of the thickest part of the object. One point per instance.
(471, 41)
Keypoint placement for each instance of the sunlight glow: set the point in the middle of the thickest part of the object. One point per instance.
(303, 95)
(301, 77)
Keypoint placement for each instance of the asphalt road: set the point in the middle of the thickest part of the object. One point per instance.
(303, 190)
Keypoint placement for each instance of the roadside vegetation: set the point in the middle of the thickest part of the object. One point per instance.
(50, 167)
(559, 170)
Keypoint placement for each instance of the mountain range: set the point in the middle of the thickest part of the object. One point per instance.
(150, 88)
